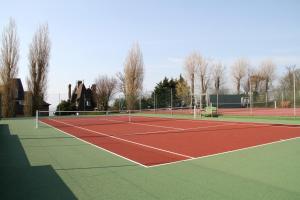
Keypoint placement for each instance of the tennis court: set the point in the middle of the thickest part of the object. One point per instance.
(155, 141)
(149, 156)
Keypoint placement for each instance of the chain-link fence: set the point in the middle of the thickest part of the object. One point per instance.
(272, 103)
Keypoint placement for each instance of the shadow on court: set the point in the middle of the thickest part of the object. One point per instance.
(20, 180)
(99, 167)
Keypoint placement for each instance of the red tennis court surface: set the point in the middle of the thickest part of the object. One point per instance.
(151, 141)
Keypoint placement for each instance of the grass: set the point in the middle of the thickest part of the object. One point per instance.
(47, 164)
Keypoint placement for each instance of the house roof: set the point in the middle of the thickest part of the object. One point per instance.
(19, 86)
(79, 89)
(44, 103)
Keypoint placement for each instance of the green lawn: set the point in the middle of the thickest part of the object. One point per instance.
(47, 164)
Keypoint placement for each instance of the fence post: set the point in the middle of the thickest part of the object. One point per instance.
(294, 77)
(141, 103)
(129, 116)
(154, 101)
(171, 102)
(36, 119)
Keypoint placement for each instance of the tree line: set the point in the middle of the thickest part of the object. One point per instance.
(208, 75)
(38, 67)
(246, 78)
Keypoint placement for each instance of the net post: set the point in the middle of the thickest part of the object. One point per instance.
(194, 111)
(106, 115)
(36, 119)
(129, 116)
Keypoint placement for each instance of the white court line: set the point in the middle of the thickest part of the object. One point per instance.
(297, 126)
(250, 125)
(95, 145)
(124, 140)
(152, 125)
(177, 131)
(224, 121)
(225, 152)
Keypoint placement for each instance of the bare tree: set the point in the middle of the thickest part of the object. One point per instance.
(257, 80)
(132, 77)
(204, 74)
(27, 104)
(285, 90)
(9, 67)
(267, 70)
(238, 72)
(246, 82)
(190, 68)
(39, 55)
(196, 64)
(218, 75)
(286, 84)
(121, 82)
(105, 89)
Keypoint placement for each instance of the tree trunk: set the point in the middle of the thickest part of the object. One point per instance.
(238, 86)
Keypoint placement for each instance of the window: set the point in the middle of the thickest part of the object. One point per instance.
(88, 103)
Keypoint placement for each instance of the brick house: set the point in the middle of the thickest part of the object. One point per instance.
(82, 97)
(19, 98)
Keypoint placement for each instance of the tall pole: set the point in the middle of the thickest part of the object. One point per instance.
(59, 103)
(251, 111)
(191, 99)
(141, 103)
(36, 119)
(281, 99)
(119, 103)
(171, 101)
(200, 102)
(294, 77)
(154, 100)
(217, 100)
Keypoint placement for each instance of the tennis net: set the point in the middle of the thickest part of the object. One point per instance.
(113, 117)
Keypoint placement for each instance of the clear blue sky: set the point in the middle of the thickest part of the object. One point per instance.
(91, 38)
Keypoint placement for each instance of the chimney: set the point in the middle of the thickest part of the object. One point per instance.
(69, 92)
(78, 83)
(93, 88)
